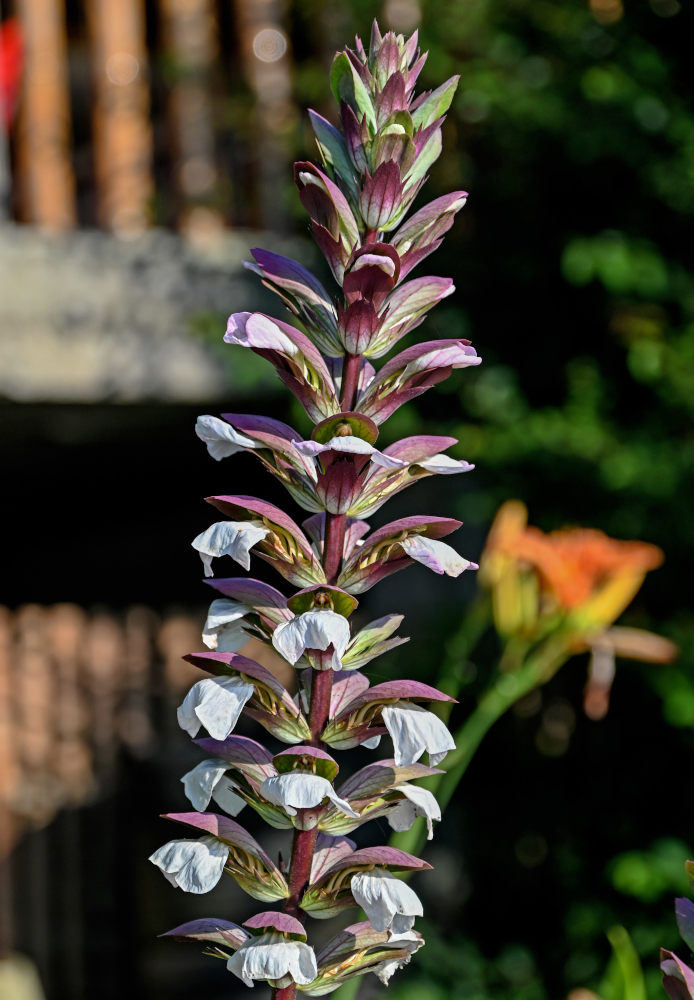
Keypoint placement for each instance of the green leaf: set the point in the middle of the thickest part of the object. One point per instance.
(624, 977)
(437, 103)
(347, 85)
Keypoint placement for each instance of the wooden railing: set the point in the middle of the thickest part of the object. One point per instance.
(122, 113)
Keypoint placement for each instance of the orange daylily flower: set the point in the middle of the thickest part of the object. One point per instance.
(577, 567)
(579, 576)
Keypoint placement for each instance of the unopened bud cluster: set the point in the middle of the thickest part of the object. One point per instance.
(358, 198)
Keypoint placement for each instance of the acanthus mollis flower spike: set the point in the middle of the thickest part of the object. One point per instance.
(268, 701)
(298, 361)
(283, 543)
(276, 952)
(244, 858)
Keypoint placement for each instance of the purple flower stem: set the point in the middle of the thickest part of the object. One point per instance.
(350, 377)
(304, 843)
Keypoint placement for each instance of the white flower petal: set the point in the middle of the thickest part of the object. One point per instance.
(216, 703)
(257, 330)
(192, 865)
(229, 538)
(220, 437)
(223, 627)
(225, 796)
(271, 957)
(389, 903)
(200, 783)
(349, 445)
(372, 742)
(444, 465)
(417, 802)
(300, 790)
(413, 942)
(414, 730)
(435, 555)
(312, 630)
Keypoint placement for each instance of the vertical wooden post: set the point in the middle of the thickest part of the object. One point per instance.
(122, 132)
(46, 181)
(190, 38)
(265, 57)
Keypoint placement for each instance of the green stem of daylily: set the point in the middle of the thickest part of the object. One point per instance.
(507, 689)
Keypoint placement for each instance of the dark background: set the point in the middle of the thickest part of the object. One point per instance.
(574, 132)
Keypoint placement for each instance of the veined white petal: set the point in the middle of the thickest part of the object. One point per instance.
(413, 942)
(300, 790)
(256, 330)
(271, 957)
(207, 781)
(200, 782)
(223, 628)
(349, 445)
(220, 437)
(192, 865)
(225, 796)
(229, 538)
(372, 742)
(389, 902)
(313, 630)
(414, 730)
(436, 555)
(444, 465)
(223, 623)
(215, 703)
(417, 802)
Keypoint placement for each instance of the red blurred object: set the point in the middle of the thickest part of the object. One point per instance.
(11, 61)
